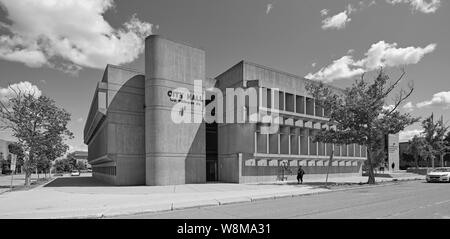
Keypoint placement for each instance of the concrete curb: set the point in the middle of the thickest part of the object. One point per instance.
(233, 200)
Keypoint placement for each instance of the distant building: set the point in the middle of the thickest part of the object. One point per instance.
(5, 156)
(82, 156)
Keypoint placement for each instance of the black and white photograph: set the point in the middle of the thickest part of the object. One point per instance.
(224, 109)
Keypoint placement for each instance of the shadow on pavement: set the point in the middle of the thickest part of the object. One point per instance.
(77, 182)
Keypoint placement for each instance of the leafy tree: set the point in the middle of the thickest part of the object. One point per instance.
(72, 161)
(358, 115)
(434, 136)
(62, 165)
(416, 148)
(80, 166)
(37, 123)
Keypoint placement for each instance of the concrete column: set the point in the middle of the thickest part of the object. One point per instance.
(289, 140)
(279, 143)
(256, 142)
(295, 104)
(314, 107)
(299, 145)
(267, 144)
(304, 105)
(169, 161)
(307, 137)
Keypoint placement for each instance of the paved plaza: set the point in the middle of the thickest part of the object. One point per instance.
(85, 197)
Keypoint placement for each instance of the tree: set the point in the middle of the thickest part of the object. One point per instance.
(80, 166)
(416, 148)
(62, 165)
(358, 114)
(72, 161)
(434, 136)
(37, 123)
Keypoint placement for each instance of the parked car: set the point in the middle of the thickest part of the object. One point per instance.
(439, 175)
(58, 174)
(75, 173)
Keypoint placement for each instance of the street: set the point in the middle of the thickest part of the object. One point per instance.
(415, 199)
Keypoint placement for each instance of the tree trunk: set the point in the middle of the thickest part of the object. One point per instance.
(27, 178)
(371, 179)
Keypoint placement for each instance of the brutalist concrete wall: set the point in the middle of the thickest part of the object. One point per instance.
(233, 137)
(175, 152)
(125, 116)
(115, 129)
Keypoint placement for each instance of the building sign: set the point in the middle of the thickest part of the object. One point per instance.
(184, 96)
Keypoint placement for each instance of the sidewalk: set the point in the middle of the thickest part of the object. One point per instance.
(84, 197)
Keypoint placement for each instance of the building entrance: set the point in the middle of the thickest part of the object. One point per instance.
(211, 153)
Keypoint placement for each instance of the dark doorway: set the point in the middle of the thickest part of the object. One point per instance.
(212, 171)
(211, 153)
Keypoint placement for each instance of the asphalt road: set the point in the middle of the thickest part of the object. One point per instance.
(415, 199)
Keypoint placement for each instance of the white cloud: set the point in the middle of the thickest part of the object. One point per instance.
(313, 64)
(339, 69)
(407, 135)
(324, 12)
(337, 21)
(23, 87)
(438, 99)
(269, 8)
(380, 54)
(383, 54)
(80, 120)
(409, 107)
(425, 6)
(68, 35)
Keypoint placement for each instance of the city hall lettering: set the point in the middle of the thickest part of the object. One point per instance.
(249, 124)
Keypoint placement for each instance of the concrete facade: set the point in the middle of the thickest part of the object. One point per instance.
(247, 156)
(114, 130)
(132, 139)
(175, 153)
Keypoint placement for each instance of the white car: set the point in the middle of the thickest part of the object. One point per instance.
(75, 173)
(439, 175)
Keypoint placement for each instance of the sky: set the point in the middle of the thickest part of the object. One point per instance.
(61, 47)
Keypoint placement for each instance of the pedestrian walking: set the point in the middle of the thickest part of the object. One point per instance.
(300, 174)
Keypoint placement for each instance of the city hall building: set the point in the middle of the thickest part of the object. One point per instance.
(133, 140)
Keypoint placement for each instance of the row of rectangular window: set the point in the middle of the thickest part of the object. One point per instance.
(279, 144)
(295, 163)
(292, 103)
(110, 170)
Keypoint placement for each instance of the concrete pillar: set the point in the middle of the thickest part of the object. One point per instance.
(314, 107)
(304, 105)
(256, 142)
(279, 141)
(170, 65)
